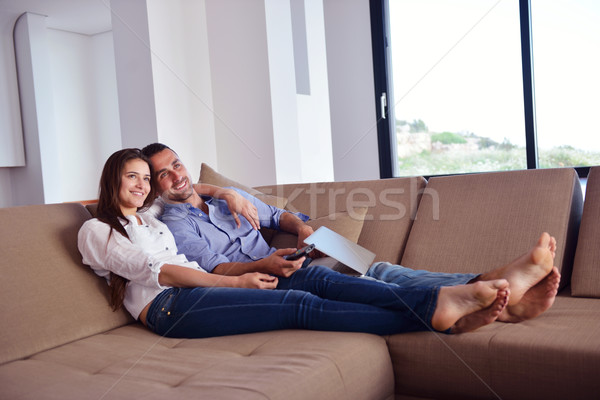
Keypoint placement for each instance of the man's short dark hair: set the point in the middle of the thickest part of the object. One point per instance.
(154, 148)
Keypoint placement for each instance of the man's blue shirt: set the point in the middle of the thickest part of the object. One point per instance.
(214, 239)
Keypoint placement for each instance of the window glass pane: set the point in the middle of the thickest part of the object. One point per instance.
(457, 82)
(566, 58)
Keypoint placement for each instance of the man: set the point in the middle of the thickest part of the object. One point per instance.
(205, 232)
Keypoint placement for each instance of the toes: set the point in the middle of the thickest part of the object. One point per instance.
(545, 240)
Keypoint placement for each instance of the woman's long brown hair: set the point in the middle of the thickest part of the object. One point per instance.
(109, 209)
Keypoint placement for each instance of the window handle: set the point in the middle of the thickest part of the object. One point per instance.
(383, 101)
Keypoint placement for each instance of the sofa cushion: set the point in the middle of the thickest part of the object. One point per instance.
(391, 203)
(586, 267)
(92, 209)
(131, 362)
(51, 298)
(554, 356)
(473, 223)
(347, 224)
(212, 177)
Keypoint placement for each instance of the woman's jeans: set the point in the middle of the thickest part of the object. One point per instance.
(314, 298)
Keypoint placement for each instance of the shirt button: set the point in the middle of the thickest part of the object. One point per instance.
(166, 248)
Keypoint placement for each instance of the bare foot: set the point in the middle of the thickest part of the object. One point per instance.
(484, 316)
(526, 271)
(535, 301)
(455, 302)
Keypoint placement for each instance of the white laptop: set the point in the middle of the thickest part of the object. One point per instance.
(345, 251)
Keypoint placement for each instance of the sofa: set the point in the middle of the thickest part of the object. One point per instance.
(61, 340)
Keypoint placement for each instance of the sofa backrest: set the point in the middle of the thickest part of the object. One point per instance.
(472, 223)
(586, 268)
(391, 204)
(49, 296)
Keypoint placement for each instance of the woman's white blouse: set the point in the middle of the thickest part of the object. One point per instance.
(140, 259)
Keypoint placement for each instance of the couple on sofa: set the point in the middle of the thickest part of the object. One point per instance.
(208, 272)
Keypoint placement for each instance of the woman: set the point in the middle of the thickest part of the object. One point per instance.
(176, 298)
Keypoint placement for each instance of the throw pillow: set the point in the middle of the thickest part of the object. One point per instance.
(212, 177)
(347, 224)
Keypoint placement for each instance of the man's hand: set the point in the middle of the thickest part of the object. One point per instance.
(257, 280)
(303, 232)
(275, 263)
(238, 204)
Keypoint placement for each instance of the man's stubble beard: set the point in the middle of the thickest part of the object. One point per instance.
(180, 197)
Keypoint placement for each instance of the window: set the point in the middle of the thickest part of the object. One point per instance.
(458, 101)
(566, 50)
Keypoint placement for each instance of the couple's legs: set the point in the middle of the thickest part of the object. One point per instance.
(217, 311)
(206, 312)
(331, 285)
(533, 280)
(487, 299)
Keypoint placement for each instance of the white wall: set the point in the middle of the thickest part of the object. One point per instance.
(85, 109)
(224, 89)
(313, 110)
(182, 81)
(5, 188)
(10, 115)
(39, 180)
(137, 111)
(300, 110)
(106, 104)
(351, 89)
(11, 134)
(241, 89)
(213, 79)
(282, 82)
(70, 114)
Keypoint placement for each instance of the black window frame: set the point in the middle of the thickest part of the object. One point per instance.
(383, 87)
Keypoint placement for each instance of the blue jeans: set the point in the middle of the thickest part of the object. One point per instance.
(409, 278)
(312, 298)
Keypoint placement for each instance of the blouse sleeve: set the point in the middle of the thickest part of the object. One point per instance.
(105, 252)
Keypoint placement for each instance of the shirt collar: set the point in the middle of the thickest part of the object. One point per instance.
(179, 210)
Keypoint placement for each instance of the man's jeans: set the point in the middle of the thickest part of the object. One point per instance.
(408, 278)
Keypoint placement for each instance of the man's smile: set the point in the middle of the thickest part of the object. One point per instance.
(181, 185)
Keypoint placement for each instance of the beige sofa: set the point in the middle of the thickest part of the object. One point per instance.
(61, 340)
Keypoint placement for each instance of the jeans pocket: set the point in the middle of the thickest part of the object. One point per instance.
(161, 308)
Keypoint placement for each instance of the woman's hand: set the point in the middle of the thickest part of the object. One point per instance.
(256, 280)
